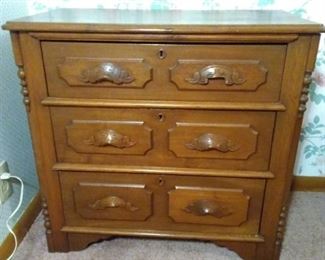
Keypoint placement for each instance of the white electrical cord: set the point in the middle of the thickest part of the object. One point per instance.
(7, 176)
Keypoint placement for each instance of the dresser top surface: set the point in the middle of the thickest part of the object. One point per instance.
(164, 21)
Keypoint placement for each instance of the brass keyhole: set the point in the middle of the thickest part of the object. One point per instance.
(161, 117)
(162, 54)
(161, 181)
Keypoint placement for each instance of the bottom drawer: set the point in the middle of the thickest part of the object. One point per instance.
(167, 203)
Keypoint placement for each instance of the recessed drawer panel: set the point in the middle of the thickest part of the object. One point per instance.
(109, 137)
(220, 72)
(204, 140)
(112, 201)
(222, 75)
(163, 137)
(99, 72)
(215, 206)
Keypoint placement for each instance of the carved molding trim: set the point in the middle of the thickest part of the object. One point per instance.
(281, 227)
(47, 221)
(304, 93)
(192, 105)
(151, 37)
(24, 90)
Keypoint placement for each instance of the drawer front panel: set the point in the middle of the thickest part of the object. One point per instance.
(141, 201)
(154, 137)
(164, 71)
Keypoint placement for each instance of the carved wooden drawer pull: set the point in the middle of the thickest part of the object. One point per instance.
(113, 202)
(230, 75)
(207, 208)
(207, 142)
(106, 72)
(110, 137)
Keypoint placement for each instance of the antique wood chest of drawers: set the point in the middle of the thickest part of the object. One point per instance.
(177, 124)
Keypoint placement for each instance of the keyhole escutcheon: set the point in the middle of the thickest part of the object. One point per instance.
(161, 117)
(162, 54)
(161, 181)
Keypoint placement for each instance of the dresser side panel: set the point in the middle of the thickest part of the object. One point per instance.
(285, 137)
(42, 137)
(311, 60)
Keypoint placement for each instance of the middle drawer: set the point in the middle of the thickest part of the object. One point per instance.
(161, 137)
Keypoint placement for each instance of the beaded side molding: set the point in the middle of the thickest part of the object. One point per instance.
(281, 227)
(45, 212)
(304, 93)
(24, 90)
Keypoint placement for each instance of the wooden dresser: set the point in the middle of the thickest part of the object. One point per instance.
(175, 124)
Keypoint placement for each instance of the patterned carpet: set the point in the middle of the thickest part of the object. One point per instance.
(304, 240)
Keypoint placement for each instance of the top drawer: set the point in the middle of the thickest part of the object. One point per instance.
(229, 72)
